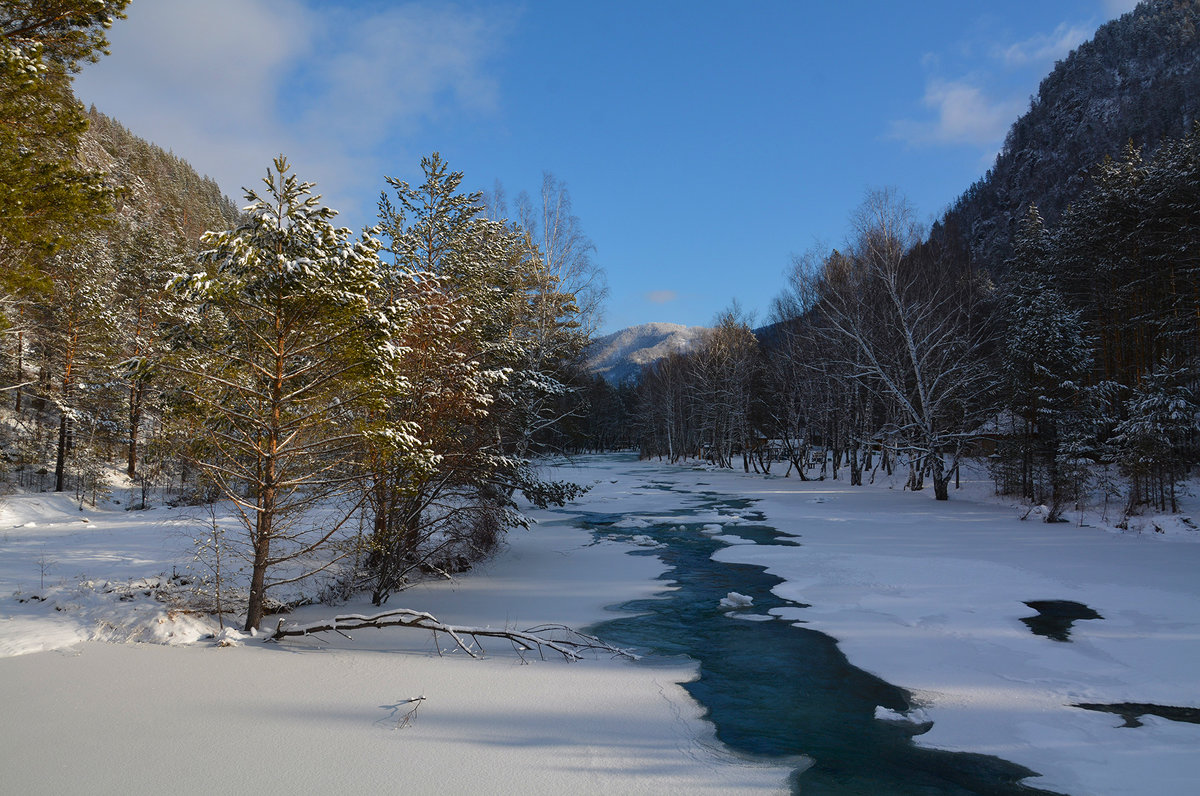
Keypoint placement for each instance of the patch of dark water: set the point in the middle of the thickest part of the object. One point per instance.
(760, 534)
(776, 690)
(1132, 712)
(1055, 617)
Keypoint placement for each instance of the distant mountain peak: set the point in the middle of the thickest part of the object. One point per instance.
(622, 354)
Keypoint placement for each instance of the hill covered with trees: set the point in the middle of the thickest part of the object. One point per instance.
(1137, 81)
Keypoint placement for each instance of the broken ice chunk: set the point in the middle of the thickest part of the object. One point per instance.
(734, 601)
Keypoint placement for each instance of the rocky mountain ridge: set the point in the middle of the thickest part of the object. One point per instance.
(622, 354)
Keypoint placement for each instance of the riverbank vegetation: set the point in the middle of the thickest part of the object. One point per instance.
(1070, 368)
(368, 402)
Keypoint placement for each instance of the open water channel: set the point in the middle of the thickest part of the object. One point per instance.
(773, 688)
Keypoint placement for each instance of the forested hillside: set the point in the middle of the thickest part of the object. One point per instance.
(154, 185)
(98, 302)
(1136, 82)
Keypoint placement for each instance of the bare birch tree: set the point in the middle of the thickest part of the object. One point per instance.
(911, 338)
(566, 250)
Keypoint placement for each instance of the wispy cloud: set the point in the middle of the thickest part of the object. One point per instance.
(977, 109)
(1045, 47)
(398, 68)
(325, 84)
(661, 296)
(964, 114)
(1115, 8)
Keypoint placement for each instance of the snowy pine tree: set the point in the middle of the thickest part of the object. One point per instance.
(1149, 444)
(1045, 363)
(286, 347)
(468, 288)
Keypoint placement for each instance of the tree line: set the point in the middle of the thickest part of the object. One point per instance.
(1071, 370)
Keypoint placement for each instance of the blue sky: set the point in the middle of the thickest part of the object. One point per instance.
(703, 143)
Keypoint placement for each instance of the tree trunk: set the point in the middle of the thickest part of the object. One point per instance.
(855, 467)
(941, 487)
(135, 422)
(65, 422)
(60, 461)
(258, 577)
(262, 552)
(20, 370)
(941, 478)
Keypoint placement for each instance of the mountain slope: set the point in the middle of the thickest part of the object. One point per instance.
(1137, 80)
(622, 354)
(158, 187)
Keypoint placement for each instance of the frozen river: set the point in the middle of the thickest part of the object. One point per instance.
(837, 640)
(773, 688)
(906, 646)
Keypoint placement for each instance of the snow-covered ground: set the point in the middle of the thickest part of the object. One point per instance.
(325, 714)
(927, 595)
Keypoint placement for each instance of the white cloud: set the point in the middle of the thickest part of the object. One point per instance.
(964, 111)
(661, 296)
(1045, 48)
(964, 115)
(1115, 8)
(400, 66)
(228, 84)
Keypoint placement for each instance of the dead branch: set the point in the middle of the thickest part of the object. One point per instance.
(569, 643)
(404, 721)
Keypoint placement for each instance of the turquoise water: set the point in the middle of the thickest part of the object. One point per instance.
(773, 689)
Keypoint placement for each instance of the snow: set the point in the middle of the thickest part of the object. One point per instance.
(927, 595)
(64, 580)
(325, 713)
(930, 595)
(735, 601)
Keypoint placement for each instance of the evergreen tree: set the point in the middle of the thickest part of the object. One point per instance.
(45, 197)
(482, 317)
(286, 348)
(146, 259)
(75, 332)
(1150, 442)
(1045, 363)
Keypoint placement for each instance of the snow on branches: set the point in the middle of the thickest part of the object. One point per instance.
(570, 644)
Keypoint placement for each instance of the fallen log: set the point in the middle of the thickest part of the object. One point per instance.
(569, 643)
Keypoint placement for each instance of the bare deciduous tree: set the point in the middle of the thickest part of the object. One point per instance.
(566, 250)
(908, 335)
